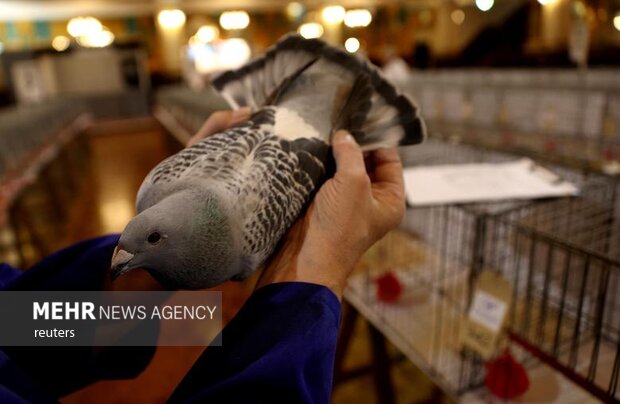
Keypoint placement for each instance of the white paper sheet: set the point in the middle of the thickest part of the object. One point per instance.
(464, 183)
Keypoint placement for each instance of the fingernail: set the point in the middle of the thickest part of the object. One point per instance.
(241, 113)
(347, 138)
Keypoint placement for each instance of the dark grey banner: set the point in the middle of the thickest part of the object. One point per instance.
(183, 318)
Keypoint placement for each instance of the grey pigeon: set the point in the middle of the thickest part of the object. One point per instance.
(216, 210)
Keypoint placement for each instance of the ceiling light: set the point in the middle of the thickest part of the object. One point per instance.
(333, 14)
(61, 43)
(357, 18)
(99, 39)
(207, 33)
(484, 5)
(80, 26)
(222, 55)
(231, 20)
(311, 30)
(171, 19)
(617, 22)
(352, 45)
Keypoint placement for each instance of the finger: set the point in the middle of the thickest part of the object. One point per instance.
(221, 120)
(240, 115)
(218, 122)
(388, 167)
(348, 155)
(386, 156)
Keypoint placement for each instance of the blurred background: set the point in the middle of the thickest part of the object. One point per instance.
(95, 93)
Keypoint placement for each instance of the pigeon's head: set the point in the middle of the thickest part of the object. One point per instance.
(185, 241)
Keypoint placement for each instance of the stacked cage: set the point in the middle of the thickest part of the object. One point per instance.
(562, 116)
(42, 162)
(562, 258)
(24, 129)
(440, 250)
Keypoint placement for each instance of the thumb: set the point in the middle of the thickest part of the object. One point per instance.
(348, 155)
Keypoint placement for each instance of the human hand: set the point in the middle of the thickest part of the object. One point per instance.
(349, 214)
(218, 122)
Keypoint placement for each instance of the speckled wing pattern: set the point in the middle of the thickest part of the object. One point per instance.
(270, 178)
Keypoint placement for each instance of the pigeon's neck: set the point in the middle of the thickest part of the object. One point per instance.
(186, 188)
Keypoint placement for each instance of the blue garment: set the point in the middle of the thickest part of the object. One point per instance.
(279, 348)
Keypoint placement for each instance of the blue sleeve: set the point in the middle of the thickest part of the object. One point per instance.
(31, 373)
(280, 347)
(81, 266)
(7, 275)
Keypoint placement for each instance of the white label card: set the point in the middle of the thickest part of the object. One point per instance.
(482, 182)
(488, 311)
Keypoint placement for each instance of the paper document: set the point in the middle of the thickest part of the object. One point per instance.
(464, 183)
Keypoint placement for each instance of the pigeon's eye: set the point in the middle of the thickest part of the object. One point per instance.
(153, 238)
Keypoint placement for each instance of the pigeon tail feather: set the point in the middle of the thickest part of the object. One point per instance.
(325, 89)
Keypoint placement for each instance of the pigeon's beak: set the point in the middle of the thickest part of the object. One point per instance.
(121, 263)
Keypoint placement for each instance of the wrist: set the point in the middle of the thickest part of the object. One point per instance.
(311, 257)
(325, 267)
(319, 269)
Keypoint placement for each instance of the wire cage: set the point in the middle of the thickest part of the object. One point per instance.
(562, 258)
(42, 162)
(564, 116)
(439, 251)
(24, 129)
